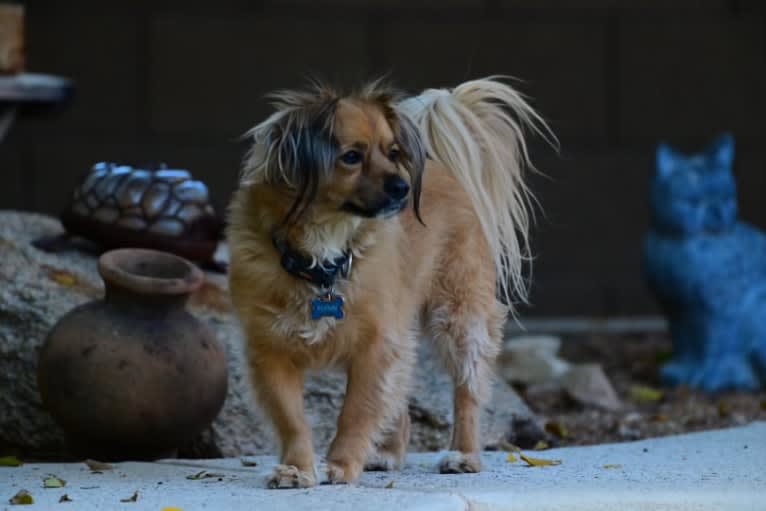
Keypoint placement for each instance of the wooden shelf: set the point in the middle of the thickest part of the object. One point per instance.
(34, 88)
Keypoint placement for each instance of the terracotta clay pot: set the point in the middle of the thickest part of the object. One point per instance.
(134, 375)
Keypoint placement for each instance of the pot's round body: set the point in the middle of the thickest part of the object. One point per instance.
(134, 376)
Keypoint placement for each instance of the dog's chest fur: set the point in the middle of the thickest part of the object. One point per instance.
(294, 320)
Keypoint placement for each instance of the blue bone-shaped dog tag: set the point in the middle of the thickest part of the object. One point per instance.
(327, 306)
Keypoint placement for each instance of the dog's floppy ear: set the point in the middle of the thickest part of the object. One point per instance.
(406, 133)
(413, 155)
(296, 146)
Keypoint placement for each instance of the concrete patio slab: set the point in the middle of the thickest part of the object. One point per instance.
(715, 470)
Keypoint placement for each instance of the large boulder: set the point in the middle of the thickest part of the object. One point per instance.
(37, 288)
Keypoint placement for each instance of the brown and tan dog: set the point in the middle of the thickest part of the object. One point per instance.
(347, 243)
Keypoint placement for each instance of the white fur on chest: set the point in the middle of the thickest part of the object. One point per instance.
(295, 321)
(324, 241)
(328, 241)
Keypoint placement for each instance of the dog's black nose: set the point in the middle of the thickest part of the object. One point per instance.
(396, 187)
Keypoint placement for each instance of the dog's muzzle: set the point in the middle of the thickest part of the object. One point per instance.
(385, 209)
(391, 202)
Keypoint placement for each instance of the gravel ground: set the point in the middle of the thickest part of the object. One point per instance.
(632, 363)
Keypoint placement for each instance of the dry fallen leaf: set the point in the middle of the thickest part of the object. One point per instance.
(612, 465)
(10, 461)
(98, 465)
(62, 277)
(53, 482)
(724, 410)
(65, 498)
(511, 458)
(203, 474)
(248, 463)
(645, 394)
(132, 498)
(23, 497)
(556, 428)
(172, 509)
(538, 462)
(541, 445)
(389, 485)
(658, 418)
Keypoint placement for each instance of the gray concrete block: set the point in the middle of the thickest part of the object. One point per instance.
(585, 5)
(587, 241)
(687, 78)
(209, 75)
(551, 5)
(750, 173)
(378, 4)
(561, 64)
(100, 52)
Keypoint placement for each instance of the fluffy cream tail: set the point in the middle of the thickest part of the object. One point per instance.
(476, 130)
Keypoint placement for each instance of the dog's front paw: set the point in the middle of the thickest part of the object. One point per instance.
(460, 463)
(290, 476)
(382, 462)
(339, 472)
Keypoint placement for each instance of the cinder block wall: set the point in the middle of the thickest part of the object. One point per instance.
(179, 81)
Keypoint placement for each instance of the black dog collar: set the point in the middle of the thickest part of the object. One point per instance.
(322, 274)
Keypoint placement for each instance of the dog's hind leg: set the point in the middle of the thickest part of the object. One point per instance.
(389, 453)
(466, 323)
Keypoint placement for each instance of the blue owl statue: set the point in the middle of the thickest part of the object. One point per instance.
(707, 270)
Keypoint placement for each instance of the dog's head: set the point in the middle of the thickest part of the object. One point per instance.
(329, 153)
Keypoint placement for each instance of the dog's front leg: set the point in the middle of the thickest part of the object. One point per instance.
(279, 388)
(375, 392)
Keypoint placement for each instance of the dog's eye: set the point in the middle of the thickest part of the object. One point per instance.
(394, 154)
(351, 157)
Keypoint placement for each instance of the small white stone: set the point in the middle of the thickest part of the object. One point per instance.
(132, 222)
(130, 191)
(532, 359)
(191, 191)
(154, 200)
(189, 213)
(589, 385)
(92, 201)
(168, 227)
(106, 215)
(172, 175)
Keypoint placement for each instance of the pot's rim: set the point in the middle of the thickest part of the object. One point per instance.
(148, 271)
